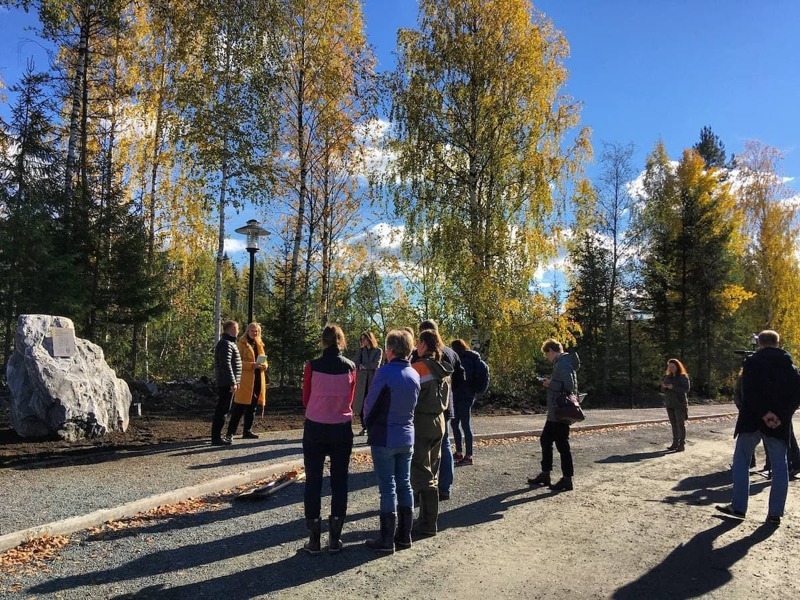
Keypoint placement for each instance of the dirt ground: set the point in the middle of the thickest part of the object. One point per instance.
(148, 430)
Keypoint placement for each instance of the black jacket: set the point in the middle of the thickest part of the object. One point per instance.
(770, 383)
(227, 361)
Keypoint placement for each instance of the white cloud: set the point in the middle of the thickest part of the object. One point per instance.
(234, 245)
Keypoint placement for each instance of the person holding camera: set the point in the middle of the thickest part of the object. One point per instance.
(675, 386)
(563, 379)
(770, 396)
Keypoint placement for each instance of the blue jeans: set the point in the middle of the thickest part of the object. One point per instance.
(393, 471)
(447, 466)
(463, 418)
(776, 450)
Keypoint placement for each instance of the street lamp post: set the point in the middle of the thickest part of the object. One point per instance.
(253, 231)
(629, 317)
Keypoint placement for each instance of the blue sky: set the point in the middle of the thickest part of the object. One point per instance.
(650, 69)
(644, 69)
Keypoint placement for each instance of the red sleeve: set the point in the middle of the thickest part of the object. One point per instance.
(352, 386)
(306, 384)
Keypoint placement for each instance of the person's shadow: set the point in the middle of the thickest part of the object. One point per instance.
(488, 509)
(300, 568)
(694, 568)
(632, 458)
(711, 488)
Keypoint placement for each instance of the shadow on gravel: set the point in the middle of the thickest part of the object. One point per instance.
(488, 509)
(102, 455)
(695, 568)
(262, 579)
(238, 444)
(632, 458)
(286, 574)
(233, 510)
(243, 459)
(711, 488)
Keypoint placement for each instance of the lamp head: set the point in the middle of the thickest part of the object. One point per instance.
(253, 231)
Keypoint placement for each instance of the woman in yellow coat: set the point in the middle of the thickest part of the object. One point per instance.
(252, 389)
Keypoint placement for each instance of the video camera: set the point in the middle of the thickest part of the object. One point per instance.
(747, 353)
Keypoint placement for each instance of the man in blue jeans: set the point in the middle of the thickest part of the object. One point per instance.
(770, 396)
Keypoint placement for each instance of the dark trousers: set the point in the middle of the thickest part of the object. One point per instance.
(224, 396)
(558, 433)
(249, 412)
(321, 440)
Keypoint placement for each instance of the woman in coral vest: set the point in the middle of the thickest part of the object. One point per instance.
(328, 386)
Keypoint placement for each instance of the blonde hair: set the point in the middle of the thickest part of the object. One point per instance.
(246, 329)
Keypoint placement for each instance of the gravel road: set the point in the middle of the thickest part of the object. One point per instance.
(640, 524)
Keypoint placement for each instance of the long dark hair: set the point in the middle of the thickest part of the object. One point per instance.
(372, 341)
(433, 342)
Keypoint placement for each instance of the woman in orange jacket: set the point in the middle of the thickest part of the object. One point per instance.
(252, 390)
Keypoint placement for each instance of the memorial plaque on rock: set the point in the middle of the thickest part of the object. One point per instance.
(63, 342)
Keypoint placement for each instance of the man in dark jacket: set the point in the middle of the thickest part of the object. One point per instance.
(770, 388)
(228, 369)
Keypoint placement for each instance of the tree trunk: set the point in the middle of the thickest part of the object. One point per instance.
(302, 158)
(75, 111)
(220, 254)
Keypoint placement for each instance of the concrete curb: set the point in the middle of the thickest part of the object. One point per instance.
(98, 517)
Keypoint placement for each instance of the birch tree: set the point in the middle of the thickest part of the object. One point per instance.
(227, 100)
(772, 234)
(480, 127)
(325, 94)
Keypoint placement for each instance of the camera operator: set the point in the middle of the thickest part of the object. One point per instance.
(770, 395)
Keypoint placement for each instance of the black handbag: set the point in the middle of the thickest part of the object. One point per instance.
(568, 408)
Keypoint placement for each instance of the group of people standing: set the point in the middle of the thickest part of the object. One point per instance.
(404, 412)
(406, 395)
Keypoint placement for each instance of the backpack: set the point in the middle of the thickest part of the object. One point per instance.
(480, 376)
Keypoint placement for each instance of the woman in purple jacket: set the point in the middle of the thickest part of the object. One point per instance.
(389, 415)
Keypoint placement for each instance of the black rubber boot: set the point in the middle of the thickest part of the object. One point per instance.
(312, 546)
(334, 533)
(428, 513)
(385, 541)
(541, 479)
(405, 521)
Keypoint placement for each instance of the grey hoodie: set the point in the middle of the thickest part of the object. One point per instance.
(562, 379)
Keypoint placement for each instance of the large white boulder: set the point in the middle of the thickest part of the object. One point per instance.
(75, 397)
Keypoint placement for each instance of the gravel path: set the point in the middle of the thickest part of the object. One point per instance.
(37, 494)
(640, 524)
